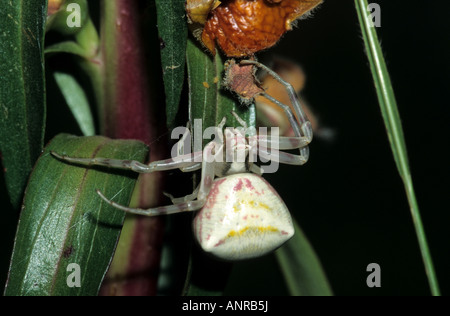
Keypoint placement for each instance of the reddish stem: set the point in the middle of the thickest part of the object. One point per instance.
(129, 112)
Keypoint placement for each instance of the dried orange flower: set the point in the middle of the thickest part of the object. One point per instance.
(244, 27)
(198, 10)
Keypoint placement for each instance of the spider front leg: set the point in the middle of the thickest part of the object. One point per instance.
(187, 198)
(163, 210)
(184, 162)
(282, 142)
(302, 128)
(180, 162)
(269, 148)
(282, 157)
(186, 204)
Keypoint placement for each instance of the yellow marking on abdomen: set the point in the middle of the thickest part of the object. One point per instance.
(252, 229)
(252, 204)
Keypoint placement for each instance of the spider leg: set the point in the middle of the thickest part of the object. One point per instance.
(170, 209)
(187, 198)
(180, 144)
(282, 157)
(209, 166)
(283, 142)
(305, 125)
(256, 170)
(180, 162)
(185, 204)
(201, 193)
(192, 168)
(302, 129)
(305, 131)
(240, 120)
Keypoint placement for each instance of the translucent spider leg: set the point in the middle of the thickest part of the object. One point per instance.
(180, 143)
(240, 120)
(281, 156)
(180, 151)
(184, 162)
(192, 168)
(305, 125)
(186, 205)
(164, 210)
(269, 148)
(180, 162)
(302, 130)
(187, 198)
(209, 154)
(283, 142)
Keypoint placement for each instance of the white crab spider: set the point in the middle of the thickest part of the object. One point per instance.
(241, 215)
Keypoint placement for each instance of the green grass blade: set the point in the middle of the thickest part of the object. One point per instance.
(392, 121)
(64, 221)
(22, 91)
(301, 267)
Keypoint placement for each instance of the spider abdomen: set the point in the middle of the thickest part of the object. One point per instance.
(243, 218)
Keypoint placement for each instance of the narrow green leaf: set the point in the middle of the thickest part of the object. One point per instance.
(22, 94)
(173, 32)
(64, 221)
(208, 100)
(301, 267)
(391, 116)
(69, 47)
(77, 101)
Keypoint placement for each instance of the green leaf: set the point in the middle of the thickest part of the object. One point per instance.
(69, 47)
(209, 103)
(301, 267)
(173, 32)
(391, 117)
(77, 101)
(22, 94)
(207, 98)
(64, 221)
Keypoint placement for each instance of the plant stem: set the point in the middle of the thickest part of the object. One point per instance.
(128, 111)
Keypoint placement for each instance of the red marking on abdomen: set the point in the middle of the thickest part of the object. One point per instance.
(238, 186)
(250, 186)
(219, 243)
(212, 196)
